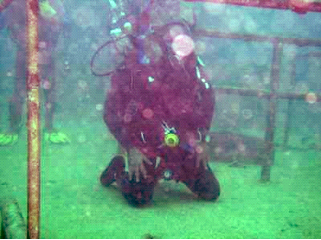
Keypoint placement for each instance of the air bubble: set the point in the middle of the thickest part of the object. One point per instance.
(183, 45)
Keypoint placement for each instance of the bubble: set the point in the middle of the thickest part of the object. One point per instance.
(315, 108)
(48, 105)
(241, 147)
(44, 57)
(73, 48)
(46, 84)
(148, 113)
(301, 88)
(42, 44)
(94, 46)
(199, 149)
(175, 31)
(247, 114)
(200, 47)
(9, 74)
(127, 118)
(84, 17)
(311, 98)
(81, 138)
(82, 85)
(235, 107)
(209, 73)
(266, 79)
(218, 150)
(234, 25)
(99, 107)
(250, 26)
(183, 45)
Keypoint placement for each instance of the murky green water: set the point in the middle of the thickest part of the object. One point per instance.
(73, 202)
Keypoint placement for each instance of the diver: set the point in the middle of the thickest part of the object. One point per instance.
(160, 108)
(51, 17)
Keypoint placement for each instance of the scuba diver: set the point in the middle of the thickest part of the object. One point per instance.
(51, 16)
(159, 108)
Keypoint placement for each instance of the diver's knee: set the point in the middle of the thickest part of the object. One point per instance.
(212, 195)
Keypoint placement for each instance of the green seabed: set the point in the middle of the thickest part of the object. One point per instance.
(75, 205)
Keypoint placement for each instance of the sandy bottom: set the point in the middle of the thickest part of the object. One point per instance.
(74, 205)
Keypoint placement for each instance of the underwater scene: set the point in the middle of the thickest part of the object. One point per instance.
(160, 119)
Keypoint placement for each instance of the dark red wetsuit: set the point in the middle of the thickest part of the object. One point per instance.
(147, 99)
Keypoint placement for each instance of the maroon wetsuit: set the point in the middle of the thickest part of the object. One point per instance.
(147, 101)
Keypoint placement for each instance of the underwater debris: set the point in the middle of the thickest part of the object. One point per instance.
(13, 223)
(150, 236)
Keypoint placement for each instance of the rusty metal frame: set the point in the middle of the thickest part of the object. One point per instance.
(33, 123)
(272, 95)
(298, 6)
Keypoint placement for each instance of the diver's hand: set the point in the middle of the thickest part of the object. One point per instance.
(202, 154)
(136, 164)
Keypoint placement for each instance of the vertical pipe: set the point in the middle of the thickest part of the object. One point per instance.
(269, 134)
(32, 9)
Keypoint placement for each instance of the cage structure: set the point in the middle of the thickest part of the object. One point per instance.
(265, 157)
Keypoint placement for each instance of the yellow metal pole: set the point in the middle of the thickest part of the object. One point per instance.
(33, 124)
